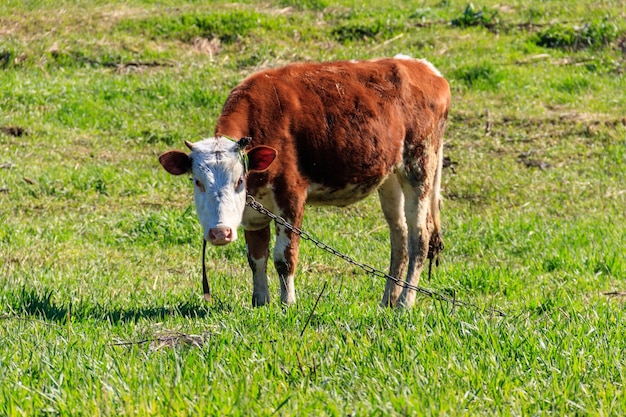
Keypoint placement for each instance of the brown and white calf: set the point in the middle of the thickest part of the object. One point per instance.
(325, 134)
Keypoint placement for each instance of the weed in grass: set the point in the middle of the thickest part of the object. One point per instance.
(472, 17)
(359, 30)
(596, 34)
(228, 26)
(573, 85)
(483, 76)
(317, 5)
(169, 139)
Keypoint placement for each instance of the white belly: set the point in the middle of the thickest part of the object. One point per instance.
(351, 193)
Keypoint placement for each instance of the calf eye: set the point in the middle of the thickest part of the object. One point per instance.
(199, 185)
(239, 183)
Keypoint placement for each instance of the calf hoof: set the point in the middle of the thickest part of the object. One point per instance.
(391, 294)
(404, 305)
(406, 300)
(288, 300)
(259, 300)
(387, 302)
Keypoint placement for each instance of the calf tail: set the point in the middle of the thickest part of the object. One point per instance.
(435, 245)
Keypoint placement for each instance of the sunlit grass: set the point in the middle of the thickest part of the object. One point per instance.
(101, 310)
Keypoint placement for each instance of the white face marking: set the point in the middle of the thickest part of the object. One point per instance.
(219, 189)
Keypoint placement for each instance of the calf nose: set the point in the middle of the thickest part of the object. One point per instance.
(220, 235)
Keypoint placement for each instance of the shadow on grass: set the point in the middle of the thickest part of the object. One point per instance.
(27, 302)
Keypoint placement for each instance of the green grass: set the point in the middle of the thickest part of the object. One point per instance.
(101, 310)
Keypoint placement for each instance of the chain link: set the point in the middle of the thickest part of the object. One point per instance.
(255, 205)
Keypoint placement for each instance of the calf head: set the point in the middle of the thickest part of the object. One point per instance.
(219, 167)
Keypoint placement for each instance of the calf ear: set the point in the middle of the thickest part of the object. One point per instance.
(175, 162)
(260, 157)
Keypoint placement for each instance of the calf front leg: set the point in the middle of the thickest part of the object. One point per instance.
(257, 246)
(285, 261)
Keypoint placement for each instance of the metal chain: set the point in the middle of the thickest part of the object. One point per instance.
(255, 205)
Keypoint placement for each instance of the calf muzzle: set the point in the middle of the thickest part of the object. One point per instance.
(221, 235)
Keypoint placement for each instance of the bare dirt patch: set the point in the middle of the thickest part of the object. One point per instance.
(210, 47)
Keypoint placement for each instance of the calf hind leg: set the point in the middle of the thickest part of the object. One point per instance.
(421, 187)
(416, 212)
(392, 202)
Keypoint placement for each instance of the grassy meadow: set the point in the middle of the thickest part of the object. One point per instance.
(101, 308)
